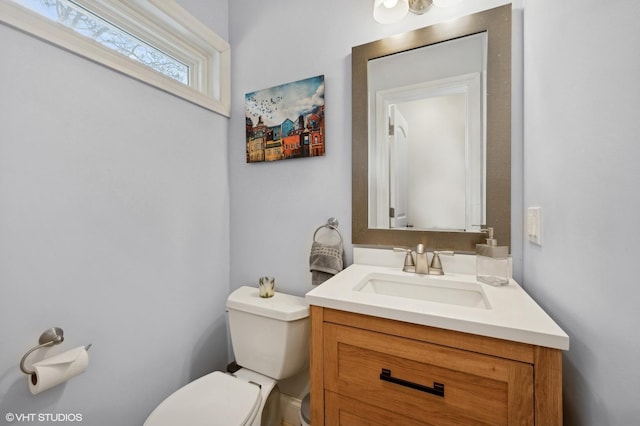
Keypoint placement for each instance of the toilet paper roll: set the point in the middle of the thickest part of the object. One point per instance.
(58, 369)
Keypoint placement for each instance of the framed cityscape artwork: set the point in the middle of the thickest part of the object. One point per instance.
(286, 121)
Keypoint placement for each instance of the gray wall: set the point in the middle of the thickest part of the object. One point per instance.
(113, 225)
(582, 134)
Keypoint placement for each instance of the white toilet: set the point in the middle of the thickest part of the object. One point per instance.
(270, 338)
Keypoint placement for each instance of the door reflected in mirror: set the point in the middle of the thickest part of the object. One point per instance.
(427, 121)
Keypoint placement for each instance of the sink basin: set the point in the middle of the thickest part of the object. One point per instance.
(427, 288)
(455, 301)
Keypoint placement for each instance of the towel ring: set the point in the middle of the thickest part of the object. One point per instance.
(332, 223)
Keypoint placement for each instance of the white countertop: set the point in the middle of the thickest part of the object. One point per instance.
(512, 314)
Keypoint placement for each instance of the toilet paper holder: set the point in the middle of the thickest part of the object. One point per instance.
(51, 336)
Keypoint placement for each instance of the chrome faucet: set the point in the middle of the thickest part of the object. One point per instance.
(409, 262)
(436, 266)
(420, 265)
(422, 262)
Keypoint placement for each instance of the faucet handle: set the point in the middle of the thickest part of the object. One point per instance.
(436, 266)
(409, 263)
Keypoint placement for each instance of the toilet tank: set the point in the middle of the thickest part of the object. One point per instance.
(269, 335)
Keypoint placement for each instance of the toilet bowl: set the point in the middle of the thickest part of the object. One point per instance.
(270, 339)
(215, 399)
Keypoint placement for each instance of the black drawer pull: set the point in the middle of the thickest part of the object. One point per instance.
(437, 389)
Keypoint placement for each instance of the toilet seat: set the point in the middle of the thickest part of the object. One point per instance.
(216, 399)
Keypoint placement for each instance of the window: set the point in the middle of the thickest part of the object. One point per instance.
(155, 41)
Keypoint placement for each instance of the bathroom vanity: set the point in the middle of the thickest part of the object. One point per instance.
(397, 348)
(439, 357)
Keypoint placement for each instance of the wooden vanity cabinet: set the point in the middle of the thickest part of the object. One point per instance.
(372, 371)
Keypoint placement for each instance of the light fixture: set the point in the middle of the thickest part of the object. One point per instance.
(420, 6)
(392, 11)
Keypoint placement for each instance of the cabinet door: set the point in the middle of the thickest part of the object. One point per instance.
(428, 383)
(344, 411)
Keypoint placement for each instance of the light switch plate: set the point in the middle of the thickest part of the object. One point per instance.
(534, 225)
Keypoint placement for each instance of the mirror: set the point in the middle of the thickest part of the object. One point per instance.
(427, 137)
(432, 135)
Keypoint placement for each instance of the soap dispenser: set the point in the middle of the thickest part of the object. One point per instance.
(493, 265)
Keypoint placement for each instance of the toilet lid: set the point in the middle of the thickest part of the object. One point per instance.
(214, 399)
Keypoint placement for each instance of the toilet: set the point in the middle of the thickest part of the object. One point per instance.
(270, 339)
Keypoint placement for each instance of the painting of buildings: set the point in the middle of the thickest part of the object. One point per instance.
(285, 121)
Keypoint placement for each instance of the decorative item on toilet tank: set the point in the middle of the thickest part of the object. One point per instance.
(267, 286)
(285, 121)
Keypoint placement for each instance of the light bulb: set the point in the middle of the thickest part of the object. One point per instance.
(390, 11)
